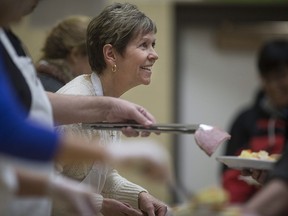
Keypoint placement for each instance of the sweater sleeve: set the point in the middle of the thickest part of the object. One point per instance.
(20, 137)
(119, 188)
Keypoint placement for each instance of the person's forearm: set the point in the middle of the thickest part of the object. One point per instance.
(74, 148)
(68, 109)
(31, 183)
(271, 200)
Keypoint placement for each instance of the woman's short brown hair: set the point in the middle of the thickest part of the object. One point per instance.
(117, 25)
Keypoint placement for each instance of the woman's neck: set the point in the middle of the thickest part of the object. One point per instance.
(111, 85)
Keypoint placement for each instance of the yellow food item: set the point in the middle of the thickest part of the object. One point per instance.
(214, 197)
(261, 155)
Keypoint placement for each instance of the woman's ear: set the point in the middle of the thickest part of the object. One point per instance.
(109, 53)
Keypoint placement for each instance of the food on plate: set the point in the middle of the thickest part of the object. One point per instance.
(260, 155)
(209, 138)
(208, 201)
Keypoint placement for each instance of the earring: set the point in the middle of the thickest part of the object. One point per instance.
(114, 68)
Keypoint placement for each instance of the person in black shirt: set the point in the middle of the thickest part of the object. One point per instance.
(260, 126)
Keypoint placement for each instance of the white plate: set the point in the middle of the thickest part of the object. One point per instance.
(245, 163)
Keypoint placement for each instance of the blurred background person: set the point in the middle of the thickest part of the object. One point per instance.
(263, 125)
(120, 43)
(271, 200)
(64, 54)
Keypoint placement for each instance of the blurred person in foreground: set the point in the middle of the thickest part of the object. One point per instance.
(120, 45)
(64, 54)
(36, 106)
(263, 125)
(25, 139)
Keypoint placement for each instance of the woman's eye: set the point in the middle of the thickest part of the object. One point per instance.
(148, 44)
(144, 45)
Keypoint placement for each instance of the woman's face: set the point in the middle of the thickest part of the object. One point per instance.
(135, 65)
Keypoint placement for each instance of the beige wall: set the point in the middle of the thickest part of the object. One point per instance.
(156, 97)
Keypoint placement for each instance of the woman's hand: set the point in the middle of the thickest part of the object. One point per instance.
(130, 132)
(112, 207)
(123, 111)
(150, 206)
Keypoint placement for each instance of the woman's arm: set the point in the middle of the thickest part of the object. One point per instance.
(26, 139)
(68, 109)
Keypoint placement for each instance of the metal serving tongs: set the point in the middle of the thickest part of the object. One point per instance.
(208, 138)
(168, 128)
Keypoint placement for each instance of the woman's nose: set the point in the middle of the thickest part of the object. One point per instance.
(153, 55)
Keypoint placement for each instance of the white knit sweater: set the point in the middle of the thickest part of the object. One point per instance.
(104, 179)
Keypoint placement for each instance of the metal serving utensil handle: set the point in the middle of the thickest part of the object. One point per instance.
(164, 128)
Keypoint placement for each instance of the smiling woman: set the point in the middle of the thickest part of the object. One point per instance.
(120, 45)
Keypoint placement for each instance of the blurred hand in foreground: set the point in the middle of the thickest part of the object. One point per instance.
(150, 157)
(79, 199)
